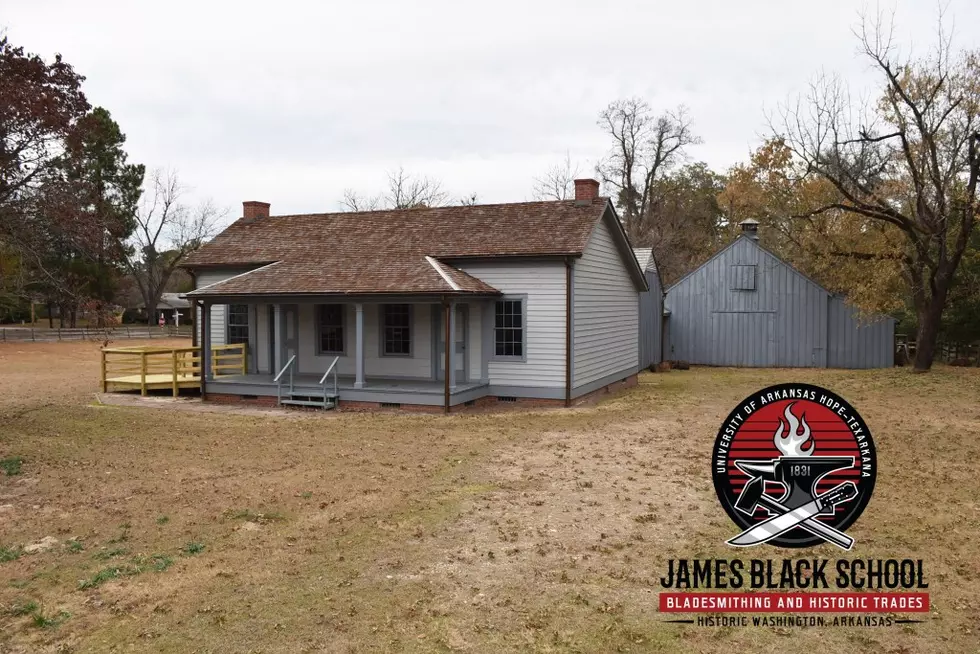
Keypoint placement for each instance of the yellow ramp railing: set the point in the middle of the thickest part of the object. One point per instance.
(148, 368)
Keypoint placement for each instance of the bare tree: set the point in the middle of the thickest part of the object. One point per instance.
(404, 191)
(352, 201)
(911, 159)
(644, 149)
(558, 182)
(166, 232)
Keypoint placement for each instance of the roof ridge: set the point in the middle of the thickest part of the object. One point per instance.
(443, 207)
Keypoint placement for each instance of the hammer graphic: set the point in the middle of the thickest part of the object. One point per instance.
(753, 495)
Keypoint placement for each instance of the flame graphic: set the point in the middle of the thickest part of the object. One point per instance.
(792, 444)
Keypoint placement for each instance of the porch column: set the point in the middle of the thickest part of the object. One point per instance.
(251, 360)
(277, 331)
(451, 344)
(207, 372)
(487, 315)
(359, 345)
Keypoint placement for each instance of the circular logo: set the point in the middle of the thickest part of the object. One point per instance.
(794, 465)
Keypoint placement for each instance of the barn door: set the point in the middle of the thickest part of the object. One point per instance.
(745, 339)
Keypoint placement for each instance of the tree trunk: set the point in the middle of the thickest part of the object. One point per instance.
(927, 334)
(152, 315)
(50, 316)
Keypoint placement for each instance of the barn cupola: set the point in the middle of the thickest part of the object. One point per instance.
(750, 228)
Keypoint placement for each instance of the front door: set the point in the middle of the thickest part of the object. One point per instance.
(462, 365)
(288, 335)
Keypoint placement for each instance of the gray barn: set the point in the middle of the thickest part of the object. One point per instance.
(747, 307)
(651, 310)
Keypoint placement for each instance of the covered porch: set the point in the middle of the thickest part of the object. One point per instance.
(389, 351)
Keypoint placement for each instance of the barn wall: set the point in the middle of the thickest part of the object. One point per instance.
(651, 321)
(605, 314)
(779, 320)
(858, 341)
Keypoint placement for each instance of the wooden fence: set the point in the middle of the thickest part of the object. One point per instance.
(149, 368)
(961, 354)
(44, 335)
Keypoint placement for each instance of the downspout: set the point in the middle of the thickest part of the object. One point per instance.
(568, 332)
(448, 344)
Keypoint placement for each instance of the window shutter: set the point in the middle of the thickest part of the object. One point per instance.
(742, 277)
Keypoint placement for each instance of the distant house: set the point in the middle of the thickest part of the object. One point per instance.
(747, 307)
(173, 307)
(539, 301)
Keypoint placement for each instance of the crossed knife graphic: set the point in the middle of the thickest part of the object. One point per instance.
(793, 510)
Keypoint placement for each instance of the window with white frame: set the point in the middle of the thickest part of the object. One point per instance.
(396, 330)
(237, 324)
(509, 329)
(330, 329)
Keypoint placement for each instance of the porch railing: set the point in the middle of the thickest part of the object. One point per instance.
(278, 378)
(323, 381)
(229, 359)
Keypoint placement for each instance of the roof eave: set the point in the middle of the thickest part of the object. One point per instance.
(350, 295)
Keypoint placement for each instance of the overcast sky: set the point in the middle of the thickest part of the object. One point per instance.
(292, 102)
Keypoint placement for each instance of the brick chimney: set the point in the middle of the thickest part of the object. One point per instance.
(750, 228)
(586, 190)
(252, 210)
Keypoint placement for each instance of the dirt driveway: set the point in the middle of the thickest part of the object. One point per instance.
(541, 531)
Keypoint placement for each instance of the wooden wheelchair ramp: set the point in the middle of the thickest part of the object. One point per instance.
(149, 368)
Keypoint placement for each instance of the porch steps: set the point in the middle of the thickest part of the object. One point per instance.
(303, 399)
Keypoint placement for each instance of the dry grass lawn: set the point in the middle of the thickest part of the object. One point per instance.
(536, 531)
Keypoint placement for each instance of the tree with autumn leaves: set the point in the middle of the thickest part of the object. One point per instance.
(72, 224)
(67, 193)
(878, 202)
(902, 173)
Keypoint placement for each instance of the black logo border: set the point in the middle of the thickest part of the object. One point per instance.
(797, 538)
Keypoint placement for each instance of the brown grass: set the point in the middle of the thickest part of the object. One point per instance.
(542, 531)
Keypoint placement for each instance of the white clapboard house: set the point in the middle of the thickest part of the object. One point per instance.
(538, 299)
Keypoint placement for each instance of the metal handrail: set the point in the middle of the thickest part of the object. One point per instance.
(323, 380)
(278, 377)
(285, 367)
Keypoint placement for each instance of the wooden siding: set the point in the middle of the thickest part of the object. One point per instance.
(787, 321)
(417, 366)
(858, 341)
(606, 312)
(651, 313)
(544, 285)
(742, 278)
(218, 311)
(704, 331)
